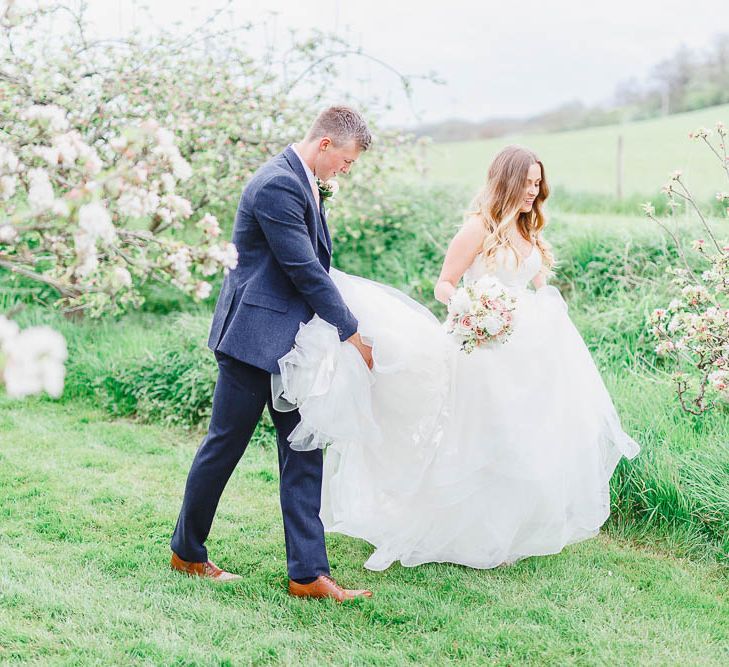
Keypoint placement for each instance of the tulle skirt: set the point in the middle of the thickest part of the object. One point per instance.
(441, 456)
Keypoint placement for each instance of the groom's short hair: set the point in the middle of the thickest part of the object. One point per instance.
(341, 124)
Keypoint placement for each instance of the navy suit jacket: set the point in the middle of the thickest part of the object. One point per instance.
(282, 277)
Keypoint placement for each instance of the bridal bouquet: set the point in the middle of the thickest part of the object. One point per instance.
(479, 313)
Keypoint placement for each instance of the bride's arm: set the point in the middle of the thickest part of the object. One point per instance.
(462, 250)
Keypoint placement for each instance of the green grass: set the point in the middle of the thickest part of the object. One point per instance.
(584, 161)
(87, 510)
(88, 500)
(157, 368)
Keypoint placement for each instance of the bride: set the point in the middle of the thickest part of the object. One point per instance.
(439, 455)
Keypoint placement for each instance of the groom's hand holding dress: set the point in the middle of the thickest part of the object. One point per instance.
(364, 349)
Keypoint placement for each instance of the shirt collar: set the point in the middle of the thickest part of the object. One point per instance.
(309, 172)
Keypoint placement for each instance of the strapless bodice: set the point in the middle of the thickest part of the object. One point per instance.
(505, 268)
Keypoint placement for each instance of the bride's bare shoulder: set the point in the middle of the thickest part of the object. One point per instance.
(472, 231)
(474, 224)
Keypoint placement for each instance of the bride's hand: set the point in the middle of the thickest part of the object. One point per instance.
(364, 350)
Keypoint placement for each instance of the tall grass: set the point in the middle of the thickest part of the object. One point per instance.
(155, 366)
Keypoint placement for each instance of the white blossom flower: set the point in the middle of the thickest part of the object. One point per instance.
(203, 289)
(180, 206)
(8, 160)
(674, 324)
(61, 208)
(140, 173)
(209, 224)
(40, 192)
(180, 167)
(230, 257)
(138, 203)
(34, 362)
(695, 294)
(121, 277)
(47, 115)
(50, 154)
(95, 220)
(87, 258)
(719, 380)
(664, 347)
(180, 262)
(8, 233)
(7, 186)
(92, 163)
(165, 214)
(168, 182)
(118, 143)
(67, 147)
(164, 137)
(8, 330)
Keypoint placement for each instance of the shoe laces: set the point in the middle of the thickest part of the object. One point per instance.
(334, 583)
(211, 568)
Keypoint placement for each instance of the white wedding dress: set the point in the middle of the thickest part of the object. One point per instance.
(441, 456)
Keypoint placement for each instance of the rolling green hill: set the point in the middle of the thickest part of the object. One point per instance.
(585, 160)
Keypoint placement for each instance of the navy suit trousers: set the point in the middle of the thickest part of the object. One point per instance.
(241, 393)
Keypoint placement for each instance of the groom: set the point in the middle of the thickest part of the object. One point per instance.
(282, 280)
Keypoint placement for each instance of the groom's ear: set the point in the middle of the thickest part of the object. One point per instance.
(324, 143)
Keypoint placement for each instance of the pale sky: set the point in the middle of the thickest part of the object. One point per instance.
(498, 58)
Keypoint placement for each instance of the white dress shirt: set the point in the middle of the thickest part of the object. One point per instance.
(309, 175)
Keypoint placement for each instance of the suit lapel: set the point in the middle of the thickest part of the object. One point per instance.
(298, 168)
(326, 227)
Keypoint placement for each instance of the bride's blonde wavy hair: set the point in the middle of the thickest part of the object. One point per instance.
(498, 203)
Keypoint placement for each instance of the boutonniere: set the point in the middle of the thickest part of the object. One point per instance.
(327, 189)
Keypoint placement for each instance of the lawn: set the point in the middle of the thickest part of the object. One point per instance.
(88, 504)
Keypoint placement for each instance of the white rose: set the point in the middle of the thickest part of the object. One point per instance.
(460, 302)
(492, 324)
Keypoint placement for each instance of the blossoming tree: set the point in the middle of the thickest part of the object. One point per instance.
(118, 156)
(693, 330)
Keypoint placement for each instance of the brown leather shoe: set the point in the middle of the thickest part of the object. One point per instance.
(208, 570)
(325, 587)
